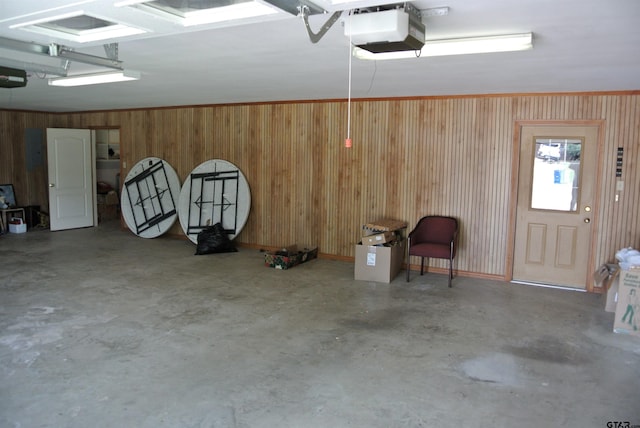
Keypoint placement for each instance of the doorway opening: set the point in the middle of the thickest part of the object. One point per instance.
(107, 149)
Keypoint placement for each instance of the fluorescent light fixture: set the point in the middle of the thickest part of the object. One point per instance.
(462, 46)
(95, 78)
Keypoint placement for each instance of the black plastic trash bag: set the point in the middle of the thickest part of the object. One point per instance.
(214, 239)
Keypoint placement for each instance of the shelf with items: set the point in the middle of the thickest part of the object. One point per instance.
(108, 157)
(107, 144)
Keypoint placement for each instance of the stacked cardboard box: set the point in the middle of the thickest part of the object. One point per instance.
(380, 253)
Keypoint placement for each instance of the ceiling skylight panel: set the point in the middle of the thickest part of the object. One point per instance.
(79, 27)
(198, 12)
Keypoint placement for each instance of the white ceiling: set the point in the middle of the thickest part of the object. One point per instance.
(579, 45)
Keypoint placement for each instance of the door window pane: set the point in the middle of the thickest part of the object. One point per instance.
(556, 174)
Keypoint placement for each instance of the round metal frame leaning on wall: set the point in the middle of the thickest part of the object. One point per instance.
(216, 191)
(149, 197)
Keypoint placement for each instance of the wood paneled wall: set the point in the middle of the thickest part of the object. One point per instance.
(410, 157)
(30, 185)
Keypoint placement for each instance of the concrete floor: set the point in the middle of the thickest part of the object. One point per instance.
(100, 328)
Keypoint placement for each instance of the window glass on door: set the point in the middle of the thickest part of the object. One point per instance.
(556, 174)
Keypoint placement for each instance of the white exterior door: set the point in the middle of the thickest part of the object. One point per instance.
(71, 184)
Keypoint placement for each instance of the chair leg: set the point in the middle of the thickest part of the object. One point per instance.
(408, 257)
(450, 271)
(421, 265)
(408, 267)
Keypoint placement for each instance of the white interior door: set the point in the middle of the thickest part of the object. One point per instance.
(71, 187)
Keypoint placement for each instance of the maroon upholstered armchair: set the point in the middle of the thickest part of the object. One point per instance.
(433, 236)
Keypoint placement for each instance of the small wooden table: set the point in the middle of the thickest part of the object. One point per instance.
(4, 215)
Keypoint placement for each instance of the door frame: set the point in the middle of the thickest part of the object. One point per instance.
(94, 172)
(515, 174)
(94, 140)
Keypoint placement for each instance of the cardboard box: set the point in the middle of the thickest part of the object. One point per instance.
(611, 285)
(378, 238)
(611, 297)
(107, 212)
(606, 278)
(109, 198)
(108, 206)
(289, 257)
(379, 263)
(627, 317)
(600, 276)
(383, 225)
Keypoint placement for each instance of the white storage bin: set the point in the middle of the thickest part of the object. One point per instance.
(17, 225)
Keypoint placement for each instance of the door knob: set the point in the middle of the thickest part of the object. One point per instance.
(52, 185)
(587, 220)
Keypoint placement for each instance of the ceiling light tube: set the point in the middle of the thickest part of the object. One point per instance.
(95, 78)
(461, 46)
